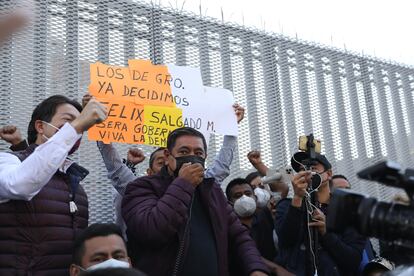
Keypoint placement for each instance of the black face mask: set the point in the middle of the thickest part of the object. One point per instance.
(316, 181)
(193, 159)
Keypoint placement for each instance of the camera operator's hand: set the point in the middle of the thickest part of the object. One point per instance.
(93, 113)
(11, 134)
(300, 184)
(135, 156)
(319, 221)
(193, 173)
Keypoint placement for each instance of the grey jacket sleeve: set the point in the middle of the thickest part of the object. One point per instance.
(118, 172)
(220, 168)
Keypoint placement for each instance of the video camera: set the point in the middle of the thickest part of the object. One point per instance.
(390, 222)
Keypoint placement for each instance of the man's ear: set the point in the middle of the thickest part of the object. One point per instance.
(329, 173)
(39, 126)
(149, 171)
(166, 153)
(74, 270)
(129, 261)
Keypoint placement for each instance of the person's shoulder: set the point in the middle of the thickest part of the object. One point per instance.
(147, 179)
(215, 186)
(283, 205)
(157, 182)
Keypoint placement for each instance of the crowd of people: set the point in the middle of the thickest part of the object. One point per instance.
(176, 220)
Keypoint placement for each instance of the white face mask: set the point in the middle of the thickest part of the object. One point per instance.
(263, 197)
(109, 264)
(49, 124)
(75, 146)
(245, 206)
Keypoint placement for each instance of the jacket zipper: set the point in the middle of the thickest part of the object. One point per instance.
(182, 242)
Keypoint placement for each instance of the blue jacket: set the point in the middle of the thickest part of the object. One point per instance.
(338, 254)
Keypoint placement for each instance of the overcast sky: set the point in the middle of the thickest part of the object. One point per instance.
(377, 28)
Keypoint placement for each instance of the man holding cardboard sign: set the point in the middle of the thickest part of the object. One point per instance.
(42, 205)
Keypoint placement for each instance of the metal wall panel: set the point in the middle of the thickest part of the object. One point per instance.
(362, 108)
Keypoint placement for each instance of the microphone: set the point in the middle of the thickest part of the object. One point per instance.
(282, 174)
(272, 178)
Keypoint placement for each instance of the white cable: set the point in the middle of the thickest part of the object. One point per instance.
(320, 184)
(309, 211)
(303, 166)
(310, 238)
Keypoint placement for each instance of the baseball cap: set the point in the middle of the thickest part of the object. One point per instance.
(379, 263)
(298, 158)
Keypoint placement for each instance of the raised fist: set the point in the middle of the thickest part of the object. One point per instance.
(135, 156)
(239, 111)
(93, 113)
(254, 157)
(85, 99)
(11, 134)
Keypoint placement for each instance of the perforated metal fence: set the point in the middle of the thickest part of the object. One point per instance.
(362, 108)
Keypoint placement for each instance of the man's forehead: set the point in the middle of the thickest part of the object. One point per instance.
(189, 141)
(104, 243)
(241, 188)
(67, 110)
(159, 154)
(63, 114)
(340, 180)
(257, 179)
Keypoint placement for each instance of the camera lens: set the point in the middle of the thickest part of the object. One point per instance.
(387, 221)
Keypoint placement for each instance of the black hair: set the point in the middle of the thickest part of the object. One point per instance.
(339, 176)
(115, 272)
(184, 131)
(235, 182)
(251, 176)
(94, 230)
(45, 112)
(152, 156)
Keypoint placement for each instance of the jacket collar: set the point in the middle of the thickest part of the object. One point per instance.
(31, 148)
